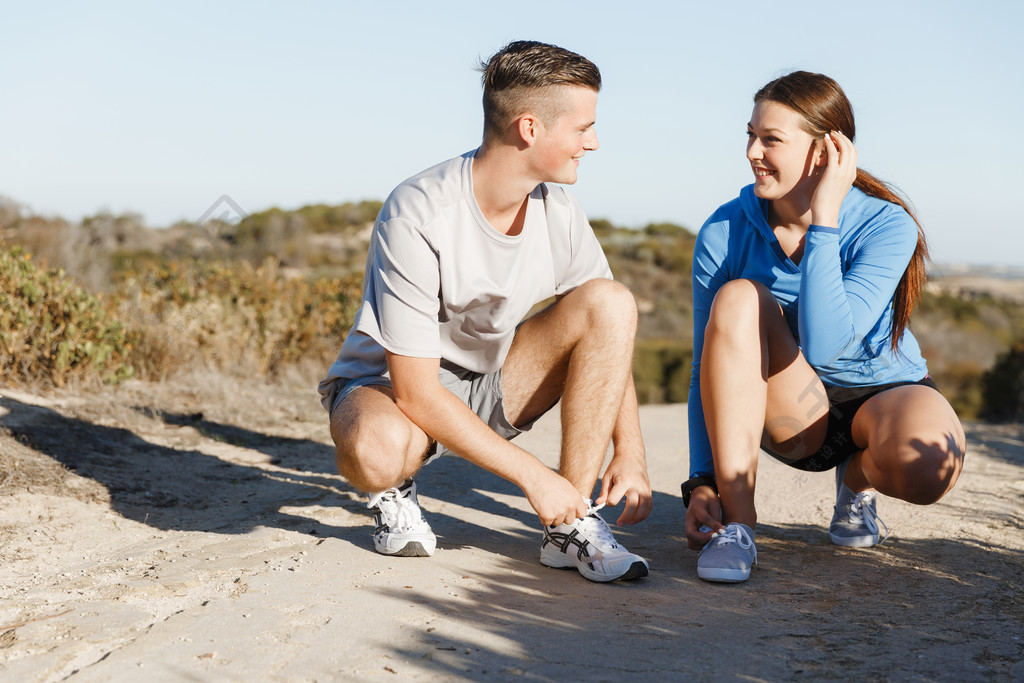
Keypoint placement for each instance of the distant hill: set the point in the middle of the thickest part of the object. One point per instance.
(970, 319)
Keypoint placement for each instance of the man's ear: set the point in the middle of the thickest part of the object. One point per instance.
(528, 126)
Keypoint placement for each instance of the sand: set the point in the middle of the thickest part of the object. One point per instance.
(204, 535)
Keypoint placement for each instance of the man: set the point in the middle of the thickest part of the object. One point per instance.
(437, 360)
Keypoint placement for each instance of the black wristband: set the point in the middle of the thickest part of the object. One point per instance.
(694, 482)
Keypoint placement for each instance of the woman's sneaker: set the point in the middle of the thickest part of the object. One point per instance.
(401, 529)
(729, 555)
(855, 520)
(588, 545)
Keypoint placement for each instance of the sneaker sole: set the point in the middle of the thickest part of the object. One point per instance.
(411, 549)
(853, 541)
(637, 570)
(724, 575)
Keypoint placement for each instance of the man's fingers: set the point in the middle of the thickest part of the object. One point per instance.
(628, 515)
(606, 487)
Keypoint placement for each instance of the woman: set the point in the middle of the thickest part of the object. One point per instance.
(803, 287)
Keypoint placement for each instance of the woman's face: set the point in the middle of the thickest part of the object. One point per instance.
(782, 155)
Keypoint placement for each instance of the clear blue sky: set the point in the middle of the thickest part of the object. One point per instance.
(161, 108)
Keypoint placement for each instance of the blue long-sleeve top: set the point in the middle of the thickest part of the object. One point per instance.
(838, 301)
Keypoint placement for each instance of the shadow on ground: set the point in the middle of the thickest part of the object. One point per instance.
(186, 489)
(1004, 441)
(178, 488)
(810, 609)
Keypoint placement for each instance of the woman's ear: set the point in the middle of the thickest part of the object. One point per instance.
(820, 153)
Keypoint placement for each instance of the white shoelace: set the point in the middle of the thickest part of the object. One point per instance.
(597, 530)
(399, 511)
(732, 533)
(862, 512)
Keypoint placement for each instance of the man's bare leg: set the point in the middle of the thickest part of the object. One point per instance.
(377, 449)
(376, 445)
(579, 349)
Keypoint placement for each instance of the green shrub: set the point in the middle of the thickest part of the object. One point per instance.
(51, 330)
(1003, 386)
(661, 371)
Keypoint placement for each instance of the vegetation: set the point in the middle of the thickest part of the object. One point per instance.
(52, 330)
(962, 337)
(1003, 386)
(233, 318)
(281, 287)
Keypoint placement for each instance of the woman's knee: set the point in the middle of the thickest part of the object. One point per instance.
(920, 470)
(916, 444)
(739, 301)
(745, 311)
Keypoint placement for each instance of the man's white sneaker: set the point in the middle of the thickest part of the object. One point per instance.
(729, 555)
(401, 529)
(588, 545)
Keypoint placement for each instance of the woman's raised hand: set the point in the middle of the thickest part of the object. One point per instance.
(836, 181)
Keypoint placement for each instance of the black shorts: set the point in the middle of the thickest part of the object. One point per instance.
(844, 402)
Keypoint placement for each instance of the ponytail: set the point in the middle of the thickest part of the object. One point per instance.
(908, 292)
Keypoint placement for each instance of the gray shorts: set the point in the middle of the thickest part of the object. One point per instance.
(482, 393)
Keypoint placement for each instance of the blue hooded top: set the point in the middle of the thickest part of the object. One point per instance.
(838, 301)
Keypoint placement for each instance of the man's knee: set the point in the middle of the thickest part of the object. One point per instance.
(606, 301)
(372, 453)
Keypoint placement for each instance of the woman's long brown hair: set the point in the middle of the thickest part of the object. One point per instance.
(824, 108)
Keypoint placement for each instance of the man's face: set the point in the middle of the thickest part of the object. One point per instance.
(563, 142)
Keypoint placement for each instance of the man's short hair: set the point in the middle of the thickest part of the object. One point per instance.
(516, 76)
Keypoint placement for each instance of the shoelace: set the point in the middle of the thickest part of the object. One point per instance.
(597, 530)
(862, 512)
(398, 510)
(732, 533)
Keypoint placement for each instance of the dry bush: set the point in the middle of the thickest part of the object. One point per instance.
(232, 317)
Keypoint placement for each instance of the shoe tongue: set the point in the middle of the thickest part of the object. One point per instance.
(736, 533)
(598, 532)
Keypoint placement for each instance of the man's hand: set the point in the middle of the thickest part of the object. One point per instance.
(553, 498)
(705, 512)
(626, 477)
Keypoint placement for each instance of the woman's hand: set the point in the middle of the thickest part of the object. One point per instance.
(839, 173)
(703, 517)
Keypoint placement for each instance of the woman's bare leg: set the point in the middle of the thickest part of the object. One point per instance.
(755, 387)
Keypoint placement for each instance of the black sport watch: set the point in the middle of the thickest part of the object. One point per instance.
(693, 482)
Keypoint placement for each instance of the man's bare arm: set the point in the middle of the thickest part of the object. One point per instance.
(424, 400)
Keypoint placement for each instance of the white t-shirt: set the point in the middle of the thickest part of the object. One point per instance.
(441, 282)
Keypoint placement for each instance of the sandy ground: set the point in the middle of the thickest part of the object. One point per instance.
(151, 534)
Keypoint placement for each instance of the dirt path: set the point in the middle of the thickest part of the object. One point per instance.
(206, 536)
